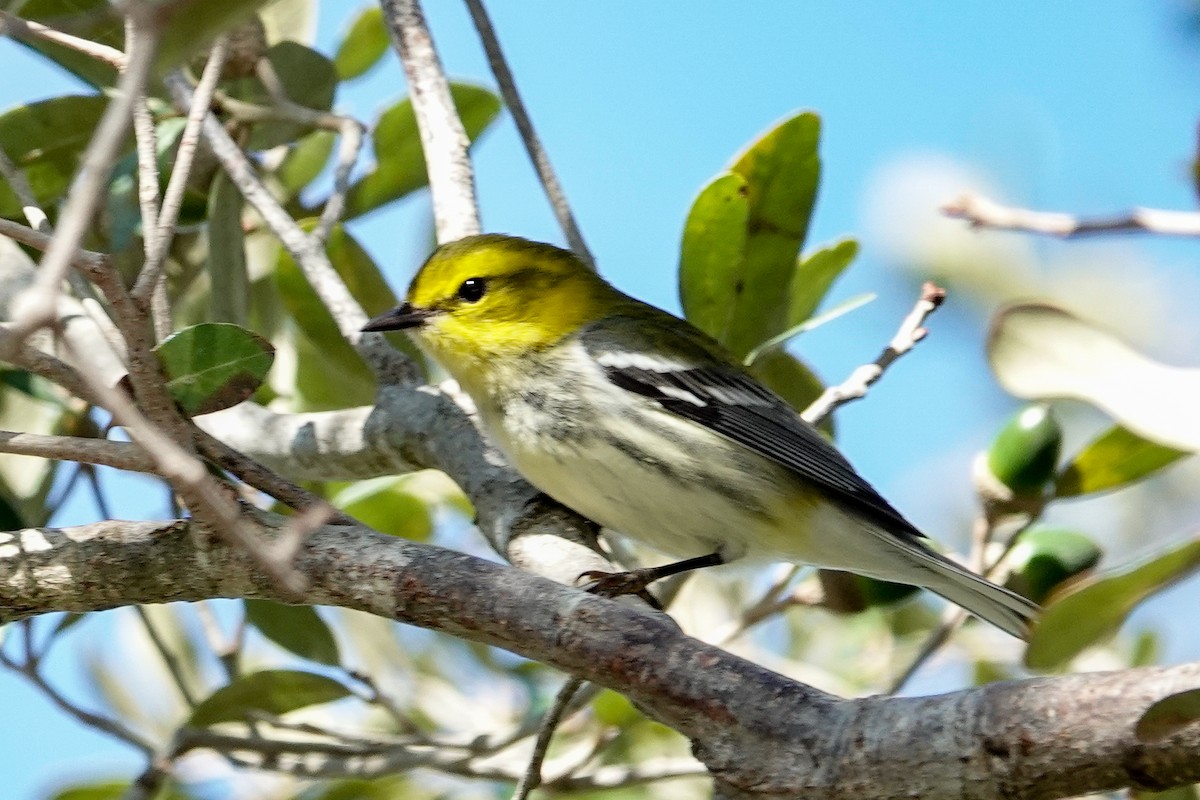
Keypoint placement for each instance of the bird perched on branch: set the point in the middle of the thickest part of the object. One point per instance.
(642, 423)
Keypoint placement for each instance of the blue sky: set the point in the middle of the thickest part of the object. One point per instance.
(1086, 107)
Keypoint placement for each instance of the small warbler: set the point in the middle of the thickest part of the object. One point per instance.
(645, 425)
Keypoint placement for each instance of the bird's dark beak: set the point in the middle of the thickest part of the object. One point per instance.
(401, 317)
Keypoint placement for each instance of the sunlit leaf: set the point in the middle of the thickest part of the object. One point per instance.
(782, 170)
(809, 324)
(1095, 610)
(1039, 351)
(1116, 458)
(385, 505)
(276, 691)
(214, 365)
(365, 43)
(1168, 715)
(305, 160)
(710, 258)
(229, 299)
(297, 629)
(815, 275)
(399, 156)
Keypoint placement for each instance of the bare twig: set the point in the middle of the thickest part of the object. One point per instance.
(20, 28)
(533, 144)
(451, 178)
(980, 212)
(532, 777)
(150, 276)
(856, 386)
(24, 192)
(120, 455)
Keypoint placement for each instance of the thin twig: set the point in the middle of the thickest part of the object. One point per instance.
(23, 29)
(25, 196)
(169, 659)
(856, 386)
(451, 178)
(532, 777)
(41, 301)
(533, 143)
(151, 273)
(980, 212)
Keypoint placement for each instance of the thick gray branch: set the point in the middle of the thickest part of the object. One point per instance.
(760, 733)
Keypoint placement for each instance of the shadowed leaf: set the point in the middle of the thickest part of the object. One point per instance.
(1168, 715)
(297, 629)
(214, 365)
(276, 691)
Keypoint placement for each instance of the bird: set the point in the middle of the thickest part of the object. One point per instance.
(647, 426)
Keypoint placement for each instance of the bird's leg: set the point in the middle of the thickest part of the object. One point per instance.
(635, 581)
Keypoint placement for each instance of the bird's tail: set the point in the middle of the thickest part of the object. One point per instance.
(1008, 611)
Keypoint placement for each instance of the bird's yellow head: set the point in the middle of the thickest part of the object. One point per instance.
(489, 297)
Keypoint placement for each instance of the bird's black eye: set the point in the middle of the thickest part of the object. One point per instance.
(472, 289)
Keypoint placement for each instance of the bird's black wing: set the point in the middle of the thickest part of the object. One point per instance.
(729, 401)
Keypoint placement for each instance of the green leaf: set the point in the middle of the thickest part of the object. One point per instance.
(45, 140)
(710, 258)
(1116, 458)
(782, 170)
(214, 365)
(193, 25)
(94, 20)
(807, 325)
(399, 158)
(385, 505)
(308, 79)
(275, 691)
(331, 366)
(1039, 351)
(305, 161)
(297, 629)
(365, 43)
(230, 295)
(813, 278)
(1168, 715)
(1095, 611)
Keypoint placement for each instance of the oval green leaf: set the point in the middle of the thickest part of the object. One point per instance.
(782, 170)
(365, 43)
(1116, 458)
(214, 365)
(399, 158)
(297, 629)
(1039, 351)
(815, 276)
(1025, 452)
(229, 298)
(1095, 611)
(45, 140)
(385, 505)
(710, 258)
(276, 691)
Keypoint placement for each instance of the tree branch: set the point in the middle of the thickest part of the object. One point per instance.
(981, 212)
(757, 732)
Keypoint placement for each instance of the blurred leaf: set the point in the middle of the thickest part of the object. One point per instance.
(874, 592)
(214, 365)
(815, 275)
(308, 79)
(1177, 793)
(297, 629)
(1116, 458)
(305, 161)
(230, 294)
(1024, 454)
(385, 505)
(94, 20)
(1044, 558)
(710, 258)
(29, 384)
(782, 170)
(365, 43)
(613, 708)
(45, 140)
(1168, 715)
(275, 691)
(193, 25)
(807, 325)
(400, 159)
(68, 620)
(788, 377)
(1039, 351)
(1095, 610)
(99, 790)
